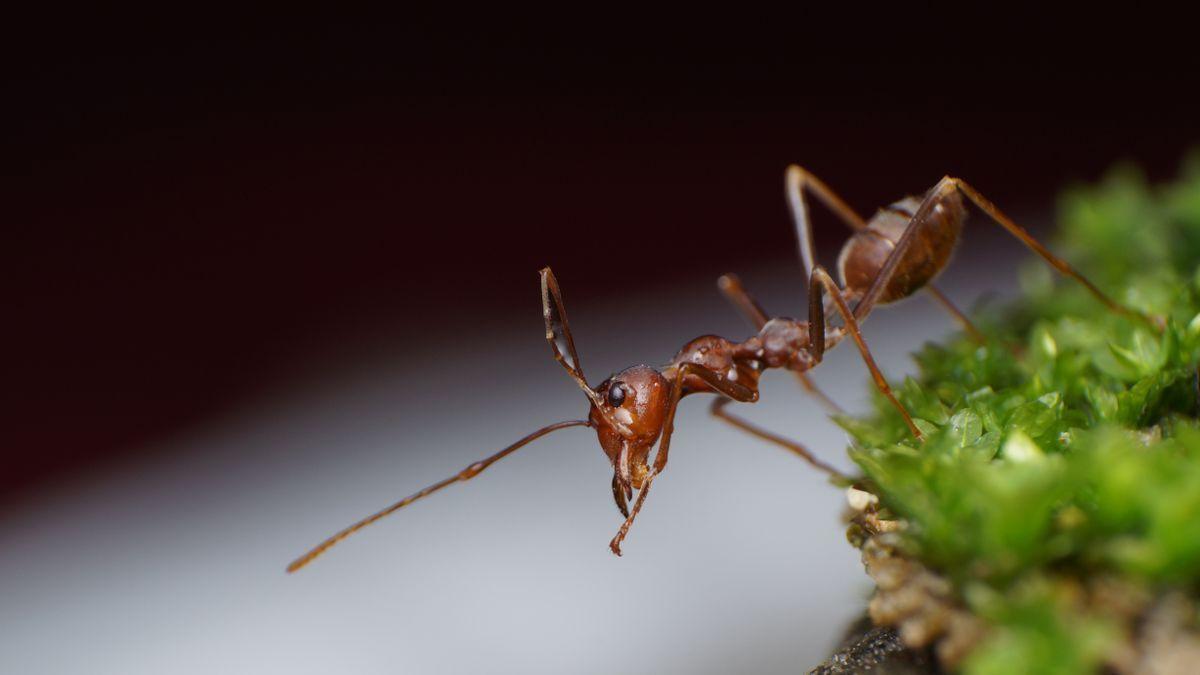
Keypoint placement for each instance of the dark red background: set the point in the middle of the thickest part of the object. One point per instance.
(203, 207)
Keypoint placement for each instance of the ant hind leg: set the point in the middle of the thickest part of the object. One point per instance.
(1036, 246)
(959, 316)
(796, 181)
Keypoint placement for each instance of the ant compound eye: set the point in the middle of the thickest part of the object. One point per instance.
(616, 394)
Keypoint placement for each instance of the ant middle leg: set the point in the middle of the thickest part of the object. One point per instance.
(821, 282)
(717, 409)
(796, 181)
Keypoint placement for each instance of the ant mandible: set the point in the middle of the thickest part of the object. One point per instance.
(895, 254)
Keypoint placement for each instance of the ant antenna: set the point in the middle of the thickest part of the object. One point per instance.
(464, 475)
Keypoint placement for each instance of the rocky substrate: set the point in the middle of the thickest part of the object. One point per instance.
(916, 623)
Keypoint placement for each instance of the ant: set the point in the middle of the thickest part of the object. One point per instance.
(892, 256)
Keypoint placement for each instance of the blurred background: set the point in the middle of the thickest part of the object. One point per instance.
(263, 275)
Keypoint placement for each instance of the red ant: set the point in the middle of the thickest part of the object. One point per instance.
(896, 253)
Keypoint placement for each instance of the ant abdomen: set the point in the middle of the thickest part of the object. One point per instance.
(867, 250)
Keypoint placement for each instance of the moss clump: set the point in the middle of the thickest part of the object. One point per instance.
(1058, 489)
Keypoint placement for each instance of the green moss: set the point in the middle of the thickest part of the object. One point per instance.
(1067, 448)
(1039, 631)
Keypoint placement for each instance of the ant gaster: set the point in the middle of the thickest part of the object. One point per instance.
(895, 254)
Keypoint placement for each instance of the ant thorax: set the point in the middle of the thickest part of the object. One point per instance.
(782, 343)
(711, 352)
(724, 357)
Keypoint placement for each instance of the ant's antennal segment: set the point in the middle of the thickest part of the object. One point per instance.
(562, 344)
(558, 333)
(466, 474)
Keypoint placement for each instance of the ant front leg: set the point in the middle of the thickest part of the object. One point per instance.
(820, 281)
(796, 181)
(719, 383)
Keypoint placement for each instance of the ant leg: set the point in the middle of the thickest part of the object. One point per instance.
(796, 180)
(955, 312)
(718, 410)
(1036, 246)
(737, 295)
(464, 475)
(819, 281)
(731, 287)
(811, 387)
(619, 495)
(930, 202)
(719, 383)
(615, 544)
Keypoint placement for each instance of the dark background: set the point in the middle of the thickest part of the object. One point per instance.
(204, 208)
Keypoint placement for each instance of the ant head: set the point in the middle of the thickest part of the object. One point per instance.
(629, 419)
(628, 410)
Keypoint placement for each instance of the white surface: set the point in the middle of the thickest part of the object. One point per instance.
(738, 563)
